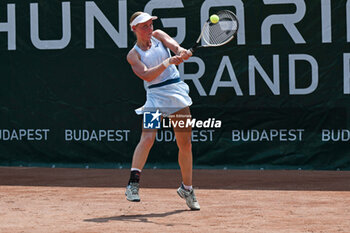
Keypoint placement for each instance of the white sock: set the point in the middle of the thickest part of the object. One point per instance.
(135, 169)
(189, 188)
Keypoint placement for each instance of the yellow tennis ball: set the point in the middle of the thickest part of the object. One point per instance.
(214, 18)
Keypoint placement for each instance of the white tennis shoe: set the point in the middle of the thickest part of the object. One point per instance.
(132, 192)
(190, 198)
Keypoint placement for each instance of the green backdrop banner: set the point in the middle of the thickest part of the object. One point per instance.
(280, 90)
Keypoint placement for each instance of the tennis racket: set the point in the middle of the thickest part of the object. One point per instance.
(220, 33)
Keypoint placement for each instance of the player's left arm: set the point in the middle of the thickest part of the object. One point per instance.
(172, 44)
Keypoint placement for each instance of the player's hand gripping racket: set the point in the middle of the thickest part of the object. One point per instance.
(219, 33)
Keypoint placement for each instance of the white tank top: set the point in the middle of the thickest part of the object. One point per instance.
(153, 57)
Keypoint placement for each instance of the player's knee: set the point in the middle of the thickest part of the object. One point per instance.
(147, 141)
(185, 146)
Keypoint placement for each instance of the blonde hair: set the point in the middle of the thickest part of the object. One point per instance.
(137, 13)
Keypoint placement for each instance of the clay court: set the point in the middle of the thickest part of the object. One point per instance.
(92, 200)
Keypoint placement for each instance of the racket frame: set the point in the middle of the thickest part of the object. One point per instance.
(196, 45)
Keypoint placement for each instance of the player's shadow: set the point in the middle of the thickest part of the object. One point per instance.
(136, 217)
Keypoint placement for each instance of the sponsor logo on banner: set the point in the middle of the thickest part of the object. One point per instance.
(332, 135)
(24, 134)
(203, 135)
(267, 135)
(100, 135)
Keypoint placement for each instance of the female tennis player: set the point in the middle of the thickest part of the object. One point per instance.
(150, 60)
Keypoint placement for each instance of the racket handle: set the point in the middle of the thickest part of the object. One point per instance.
(194, 47)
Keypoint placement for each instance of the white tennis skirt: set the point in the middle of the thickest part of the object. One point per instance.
(167, 99)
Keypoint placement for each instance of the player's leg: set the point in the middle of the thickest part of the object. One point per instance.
(138, 162)
(183, 140)
(143, 147)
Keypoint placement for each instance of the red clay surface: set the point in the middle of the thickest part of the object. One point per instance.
(92, 200)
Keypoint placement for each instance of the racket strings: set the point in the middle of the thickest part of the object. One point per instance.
(219, 33)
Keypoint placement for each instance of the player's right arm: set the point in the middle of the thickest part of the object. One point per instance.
(141, 70)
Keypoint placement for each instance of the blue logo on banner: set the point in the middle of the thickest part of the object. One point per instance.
(151, 120)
